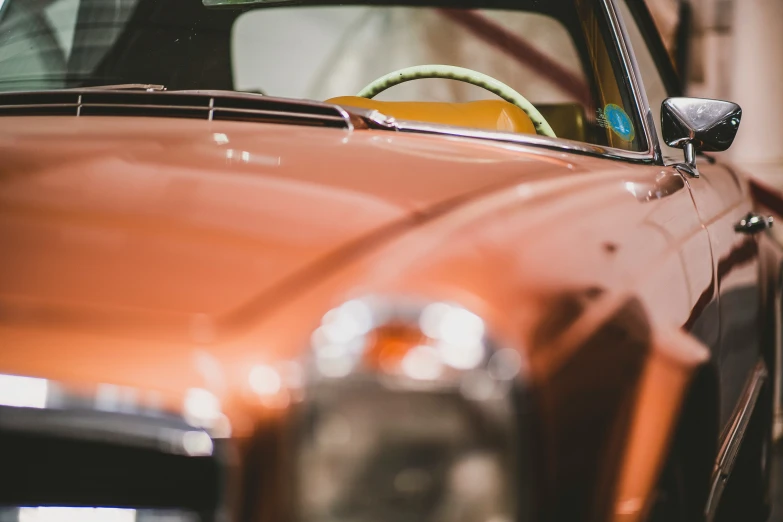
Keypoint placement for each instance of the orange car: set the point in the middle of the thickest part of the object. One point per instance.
(236, 286)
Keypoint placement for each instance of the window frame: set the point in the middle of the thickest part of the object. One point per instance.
(628, 58)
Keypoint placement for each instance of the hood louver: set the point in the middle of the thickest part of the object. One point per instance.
(205, 105)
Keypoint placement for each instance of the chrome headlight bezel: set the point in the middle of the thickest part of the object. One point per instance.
(454, 387)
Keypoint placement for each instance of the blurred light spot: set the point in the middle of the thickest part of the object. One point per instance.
(220, 138)
(351, 320)
(629, 506)
(499, 518)
(23, 392)
(339, 341)
(222, 428)
(270, 161)
(461, 334)
(476, 476)
(462, 357)
(412, 480)
(505, 364)
(451, 324)
(245, 156)
(431, 319)
(197, 444)
(331, 351)
(422, 363)
(75, 514)
(524, 190)
(264, 380)
(630, 187)
(202, 408)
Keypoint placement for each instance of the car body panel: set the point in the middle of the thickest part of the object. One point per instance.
(141, 254)
(723, 200)
(234, 207)
(623, 261)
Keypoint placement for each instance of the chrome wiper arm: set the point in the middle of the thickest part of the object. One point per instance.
(148, 87)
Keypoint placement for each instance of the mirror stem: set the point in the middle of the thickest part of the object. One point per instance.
(690, 154)
(689, 167)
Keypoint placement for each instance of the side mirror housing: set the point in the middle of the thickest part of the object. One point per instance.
(698, 124)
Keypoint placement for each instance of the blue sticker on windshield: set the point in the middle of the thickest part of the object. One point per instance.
(619, 121)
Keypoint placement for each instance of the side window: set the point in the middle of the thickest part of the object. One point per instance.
(651, 77)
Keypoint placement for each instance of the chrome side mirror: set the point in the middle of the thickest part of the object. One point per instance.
(698, 124)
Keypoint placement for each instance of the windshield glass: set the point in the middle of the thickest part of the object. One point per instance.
(557, 55)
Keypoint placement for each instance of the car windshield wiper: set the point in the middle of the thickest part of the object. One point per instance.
(149, 87)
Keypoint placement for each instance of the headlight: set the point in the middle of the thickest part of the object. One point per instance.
(411, 413)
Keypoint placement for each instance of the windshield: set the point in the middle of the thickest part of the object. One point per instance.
(557, 55)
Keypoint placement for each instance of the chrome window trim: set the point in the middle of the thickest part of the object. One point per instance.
(535, 140)
(631, 66)
(732, 439)
(372, 119)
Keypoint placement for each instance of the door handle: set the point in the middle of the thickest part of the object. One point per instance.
(753, 224)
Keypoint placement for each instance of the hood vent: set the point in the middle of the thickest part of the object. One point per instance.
(204, 105)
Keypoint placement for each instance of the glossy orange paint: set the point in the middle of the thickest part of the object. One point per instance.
(168, 255)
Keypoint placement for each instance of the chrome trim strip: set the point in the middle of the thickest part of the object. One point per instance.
(732, 441)
(525, 139)
(375, 120)
(163, 435)
(631, 66)
(777, 433)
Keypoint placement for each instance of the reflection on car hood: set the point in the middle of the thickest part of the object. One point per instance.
(119, 220)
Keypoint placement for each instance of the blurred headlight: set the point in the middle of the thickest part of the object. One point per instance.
(411, 414)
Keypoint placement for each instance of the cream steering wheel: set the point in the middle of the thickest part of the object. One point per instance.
(451, 72)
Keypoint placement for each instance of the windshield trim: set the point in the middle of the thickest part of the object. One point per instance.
(375, 120)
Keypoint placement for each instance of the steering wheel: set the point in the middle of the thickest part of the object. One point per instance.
(451, 72)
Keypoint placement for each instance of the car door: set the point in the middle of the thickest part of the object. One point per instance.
(722, 199)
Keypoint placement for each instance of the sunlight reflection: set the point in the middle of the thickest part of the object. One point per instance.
(23, 392)
(75, 514)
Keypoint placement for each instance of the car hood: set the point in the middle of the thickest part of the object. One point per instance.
(107, 219)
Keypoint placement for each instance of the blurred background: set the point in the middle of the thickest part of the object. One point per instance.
(736, 53)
